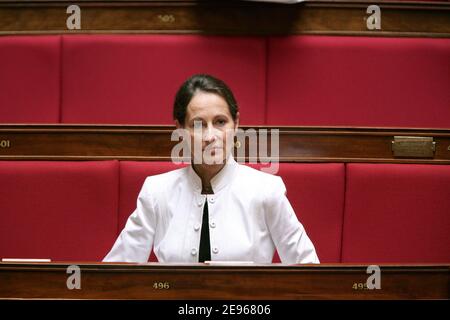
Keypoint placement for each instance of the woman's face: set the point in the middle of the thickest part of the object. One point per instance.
(211, 128)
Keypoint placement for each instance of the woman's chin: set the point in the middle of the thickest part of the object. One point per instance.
(215, 157)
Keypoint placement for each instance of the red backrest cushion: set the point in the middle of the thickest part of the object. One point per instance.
(397, 213)
(311, 80)
(133, 79)
(58, 210)
(29, 79)
(358, 81)
(316, 192)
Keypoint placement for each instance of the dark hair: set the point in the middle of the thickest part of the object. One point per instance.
(205, 83)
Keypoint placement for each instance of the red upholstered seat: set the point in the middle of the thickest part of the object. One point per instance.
(133, 79)
(75, 210)
(397, 213)
(29, 79)
(358, 81)
(58, 210)
(316, 193)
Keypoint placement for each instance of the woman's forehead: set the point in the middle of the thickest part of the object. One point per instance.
(205, 104)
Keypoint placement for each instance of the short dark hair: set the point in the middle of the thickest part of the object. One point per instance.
(205, 83)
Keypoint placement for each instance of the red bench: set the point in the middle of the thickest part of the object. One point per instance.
(292, 80)
(352, 213)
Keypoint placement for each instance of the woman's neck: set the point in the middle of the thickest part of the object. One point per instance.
(206, 173)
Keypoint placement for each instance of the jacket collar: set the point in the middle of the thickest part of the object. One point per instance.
(220, 180)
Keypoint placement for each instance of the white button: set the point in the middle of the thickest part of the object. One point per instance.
(212, 224)
(211, 200)
(197, 226)
(193, 251)
(215, 250)
(200, 203)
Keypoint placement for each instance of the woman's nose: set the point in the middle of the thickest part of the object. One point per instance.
(209, 134)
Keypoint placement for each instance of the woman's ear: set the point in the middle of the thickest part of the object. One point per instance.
(236, 123)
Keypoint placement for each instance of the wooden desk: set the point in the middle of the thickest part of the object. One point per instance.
(329, 17)
(198, 281)
(153, 143)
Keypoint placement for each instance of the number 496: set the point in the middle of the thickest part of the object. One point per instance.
(161, 285)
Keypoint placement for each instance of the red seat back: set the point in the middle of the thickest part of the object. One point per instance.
(358, 81)
(58, 210)
(133, 79)
(30, 79)
(397, 213)
(316, 193)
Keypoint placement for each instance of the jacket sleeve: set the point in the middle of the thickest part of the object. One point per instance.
(289, 236)
(135, 242)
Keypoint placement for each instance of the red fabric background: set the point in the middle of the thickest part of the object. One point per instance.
(29, 79)
(358, 81)
(133, 79)
(58, 210)
(292, 80)
(397, 213)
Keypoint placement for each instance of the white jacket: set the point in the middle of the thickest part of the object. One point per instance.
(249, 216)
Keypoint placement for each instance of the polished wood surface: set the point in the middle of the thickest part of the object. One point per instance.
(199, 281)
(399, 19)
(134, 142)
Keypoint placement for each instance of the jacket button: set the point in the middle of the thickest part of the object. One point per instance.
(193, 251)
(197, 226)
(215, 250)
(211, 200)
(212, 224)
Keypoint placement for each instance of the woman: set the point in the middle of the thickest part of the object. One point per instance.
(215, 208)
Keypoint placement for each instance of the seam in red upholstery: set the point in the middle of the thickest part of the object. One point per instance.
(344, 202)
(60, 79)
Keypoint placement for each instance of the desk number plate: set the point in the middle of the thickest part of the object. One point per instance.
(413, 147)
